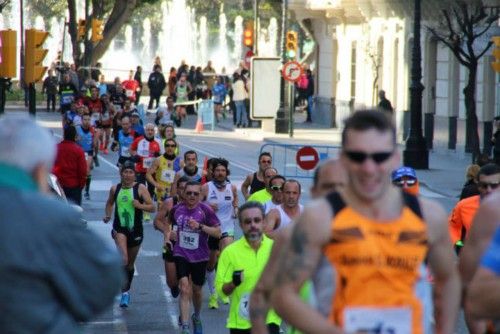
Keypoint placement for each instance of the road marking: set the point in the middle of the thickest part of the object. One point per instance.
(174, 318)
(147, 253)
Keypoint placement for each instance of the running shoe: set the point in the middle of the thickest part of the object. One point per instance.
(225, 300)
(212, 302)
(125, 300)
(197, 327)
(185, 329)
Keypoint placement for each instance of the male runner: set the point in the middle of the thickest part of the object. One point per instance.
(129, 199)
(276, 186)
(87, 140)
(190, 170)
(286, 212)
(264, 195)
(123, 139)
(256, 180)
(376, 238)
(240, 267)
(162, 173)
(195, 222)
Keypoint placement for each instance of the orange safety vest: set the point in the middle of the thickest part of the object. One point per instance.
(377, 265)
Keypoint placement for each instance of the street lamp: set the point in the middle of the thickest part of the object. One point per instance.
(416, 154)
(281, 123)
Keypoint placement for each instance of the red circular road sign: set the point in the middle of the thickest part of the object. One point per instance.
(307, 158)
(292, 71)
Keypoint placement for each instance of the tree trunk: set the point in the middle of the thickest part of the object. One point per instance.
(471, 130)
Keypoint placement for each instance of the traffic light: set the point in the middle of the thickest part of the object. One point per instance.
(496, 54)
(248, 35)
(81, 29)
(292, 42)
(97, 29)
(34, 55)
(8, 66)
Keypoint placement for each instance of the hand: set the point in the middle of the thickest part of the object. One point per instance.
(237, 277)
(106, 219)
(160, 187)
(193, 224)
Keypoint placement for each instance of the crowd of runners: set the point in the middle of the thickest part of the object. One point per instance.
(367, 255)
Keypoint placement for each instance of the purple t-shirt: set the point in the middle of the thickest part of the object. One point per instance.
(192, 244)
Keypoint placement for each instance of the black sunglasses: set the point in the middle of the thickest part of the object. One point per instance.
(360, 157)
(485, 185)
(192, 193)
(170, 145)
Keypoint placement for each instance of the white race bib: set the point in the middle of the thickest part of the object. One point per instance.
(168, 175)
(189, 240)
(378, 320)
(244, 307)
(129, 92)
(125, 151)
(147, 162)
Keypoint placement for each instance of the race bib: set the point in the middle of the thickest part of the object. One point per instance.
(168, 176)
(189, 240)
(143, 149)
(147, 162)
(125, 151)
(244, 307)
(129, 92)
(378, 320)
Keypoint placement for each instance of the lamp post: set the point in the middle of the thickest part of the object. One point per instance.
(416, 154)
(281, 123)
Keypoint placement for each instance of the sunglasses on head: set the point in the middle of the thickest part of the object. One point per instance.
(485, 185)
(192, 193)
(401, 182)
(360, 157)
(276, 188)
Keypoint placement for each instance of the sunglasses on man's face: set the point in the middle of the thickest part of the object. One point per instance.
(170, 145)
(360, 157)
(485, 185)
(192, 193)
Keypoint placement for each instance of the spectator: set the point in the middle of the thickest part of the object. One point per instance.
(156, 84)
(496, 141)
(131, 87)
(50, 88)
(309, 93)
(138, 78)
(384, 104)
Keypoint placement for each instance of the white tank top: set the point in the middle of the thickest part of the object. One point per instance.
(285, 219)
(224, 200)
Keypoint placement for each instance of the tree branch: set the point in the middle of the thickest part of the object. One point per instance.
(490, 43)
(457, 51)
(484, 30)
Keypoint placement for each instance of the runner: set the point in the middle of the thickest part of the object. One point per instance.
(406, 179)
(162, 173)
(256, 180)
(129, 200)
(195, 222)
(264, 195)
(240, 267)
(222, 197)
(123, 140)
(190, 170)
(285, 213)
(376, 238)
(329, 176)
(276, 186)
(161, 224)
(182, 90)
(87, 140)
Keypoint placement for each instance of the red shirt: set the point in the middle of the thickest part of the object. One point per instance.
(130, 87)
(147, 151)
(70, 166)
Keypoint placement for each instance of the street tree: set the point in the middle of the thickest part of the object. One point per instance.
(462, 24)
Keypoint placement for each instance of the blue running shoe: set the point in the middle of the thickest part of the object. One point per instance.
(125, 300)
(197, 327)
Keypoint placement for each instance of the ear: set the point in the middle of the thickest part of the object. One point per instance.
(40, 174)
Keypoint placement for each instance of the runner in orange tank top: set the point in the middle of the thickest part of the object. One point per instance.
(376, 238)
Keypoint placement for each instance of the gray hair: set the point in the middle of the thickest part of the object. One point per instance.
(25, 144)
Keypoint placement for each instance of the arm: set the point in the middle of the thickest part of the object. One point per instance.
(150, 172)
(272, 221)
(173, 190)
(148, 204)
(260, 302)
(160, 222)
(223, 278)
(455, 223)
(297, 262)
(483, 295)
(235, 201)
(245, 185)
(441, 260)
(109, 204)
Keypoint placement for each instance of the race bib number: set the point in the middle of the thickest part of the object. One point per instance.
(373, 320)
(244, 307)
(168, 176)
(143, 149)
(125, 151)
(147, 162)
(189, 240)
(129, 92)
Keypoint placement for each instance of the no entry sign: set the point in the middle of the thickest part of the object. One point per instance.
(307, 158)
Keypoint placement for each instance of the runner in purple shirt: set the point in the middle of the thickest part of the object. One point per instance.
(195, 222)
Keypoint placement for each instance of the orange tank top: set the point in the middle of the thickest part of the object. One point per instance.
(377, 265)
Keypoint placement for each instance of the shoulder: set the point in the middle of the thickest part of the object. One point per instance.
(435, 217)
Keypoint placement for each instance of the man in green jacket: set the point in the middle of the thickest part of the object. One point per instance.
(240, 267)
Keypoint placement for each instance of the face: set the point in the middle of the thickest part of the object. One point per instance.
(170, 103)
(408, 184)
(94, 93)
(220, 173)
(134, 119)
(268, 174)
(86, 121)
(488, 183)
(125, 124)
(331, 177)
(128, 176)
(264, 162)
(169, 132)
(192, 195)
(150, 131)
(291, 194)
(191, 161)
(252, 224)
(180, 190)
(277, 190)
(127, 105)
(368, 179)
(170, 146)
